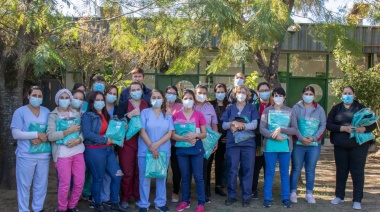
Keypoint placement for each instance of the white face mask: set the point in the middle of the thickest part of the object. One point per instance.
(201, 97)
(279, 100)
(188, 103)
(241, 97)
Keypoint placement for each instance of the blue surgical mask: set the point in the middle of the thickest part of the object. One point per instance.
(220, 96)
(347, 99)
(156, 102)
(64, 103)
(308, 99)
(76, 103)
(238, 81)
(111, 98)
(171, 97)
(136, 95)
(99, 105)
(35, 102)
(99, 87)
(265, 95)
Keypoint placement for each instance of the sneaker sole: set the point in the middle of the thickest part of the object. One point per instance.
(175, 200)
(334, 203)
(184, 208)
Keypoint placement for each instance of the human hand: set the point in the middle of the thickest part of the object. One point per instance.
(134, 112)
(215, 148)
(347, 129)
(153, 147)
(276, 133)
(191, 135)
(126, 127)
(360, 130)
(42, 136)
(155, 154)
(36, 142)
(109, 141)
(239, 125)
(74, 128)
(73, 142)
(280, 138)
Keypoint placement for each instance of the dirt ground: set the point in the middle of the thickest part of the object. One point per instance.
(324, 191)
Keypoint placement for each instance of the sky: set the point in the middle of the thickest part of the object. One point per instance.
(337, 6)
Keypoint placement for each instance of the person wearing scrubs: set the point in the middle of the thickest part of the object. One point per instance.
(208, 112)
(311, 118)
(277, 145)
(128, 153)
(31, 167)
(243, 152)
(190, 159)
(173, 107)
(154, 137)
(111, 105)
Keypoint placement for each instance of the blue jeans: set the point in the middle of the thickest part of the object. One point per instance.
(144, 187)
(100, 161)
(304, 155)
(270, 162)
(246, 158)
(192, 164)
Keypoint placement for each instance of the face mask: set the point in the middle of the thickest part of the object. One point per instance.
(220, 96)
(99, 87)
(111, 98)
(188, 103)
(238, 81)
(201, 97)
(136, 95)
(308, 99)
(156, 102)
(171, 97)
(64, 103)
(76, 103)
(265, 95)
(279, 100)
(35, 102)
(241, 97)
(99, 105)
(347, 99)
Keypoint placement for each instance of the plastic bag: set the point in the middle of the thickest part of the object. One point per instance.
(64, 124)
(116, 131)
(210, 141)
(363, 118)
(44, 146)
(278, 119)
(308, 128)
(182, 129)
(156, 168)
(134, 126)
(243, 135)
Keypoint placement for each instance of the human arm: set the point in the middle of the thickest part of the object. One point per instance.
(322, 126)
(87, 132)
(264, 131)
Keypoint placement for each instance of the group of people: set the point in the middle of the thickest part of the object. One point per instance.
(256, 129)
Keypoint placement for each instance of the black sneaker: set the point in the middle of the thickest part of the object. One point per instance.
(230, 201)
(208, 200)
(246, 203)
(117, 207)
(108, 203)
(267, 203)
(219, 191)
(162, 208)
(100, 208)
(255, 195)
(92, 205)
(72, 210)
(287, 203)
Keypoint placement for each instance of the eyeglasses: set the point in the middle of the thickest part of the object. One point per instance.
(264, 90)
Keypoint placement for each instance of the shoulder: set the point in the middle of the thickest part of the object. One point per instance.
(126, 90)
(145, 111)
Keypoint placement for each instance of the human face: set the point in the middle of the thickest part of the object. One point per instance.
(188, 97)
(36, 94)
(201, 95)
(99, 98)
(81, 88)
(240, 76)
(78, 96)
(156, 95)
(171, 91)
(138, 78)
(241, 95)
(348, 91)
(220, 90)
(264, 88)
(135, 88)
(64, 96)
(113, 91)
(308, 93)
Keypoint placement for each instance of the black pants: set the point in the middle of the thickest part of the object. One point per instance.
(219, 165)
(351, 160)
(259, 163)
(175, 170)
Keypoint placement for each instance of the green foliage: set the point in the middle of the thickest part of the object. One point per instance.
(251, 80)
(46, 59)
(185, 61)
(365, 82)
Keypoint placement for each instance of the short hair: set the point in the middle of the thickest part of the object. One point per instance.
(98, 78)
(188, 91)
(77, 85)
(350, 87)
(308, 88)
(172, 87)
(238, 88)
(201, 86)
(278, 90)
(35, 88)
(261, 84)
(137, 71)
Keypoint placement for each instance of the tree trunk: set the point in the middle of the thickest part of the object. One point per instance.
(270, 72)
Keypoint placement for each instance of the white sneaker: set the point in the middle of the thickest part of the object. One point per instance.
(336, 201)
(357, 206)
(293, 197)
(310, 198)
